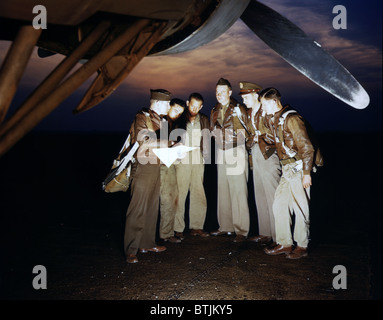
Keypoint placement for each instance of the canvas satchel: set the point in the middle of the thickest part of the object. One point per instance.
(119, 177)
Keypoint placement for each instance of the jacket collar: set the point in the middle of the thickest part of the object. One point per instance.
(278, 114)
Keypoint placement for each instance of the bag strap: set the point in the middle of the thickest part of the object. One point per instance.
(279, 134)
(149, 122)
(237, 113)
(126, 144)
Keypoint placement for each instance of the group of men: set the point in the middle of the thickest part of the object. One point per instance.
(272, 137)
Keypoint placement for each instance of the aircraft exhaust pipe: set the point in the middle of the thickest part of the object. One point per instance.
(56, 76)
(117, 69)
(72, 83)
(14, 65)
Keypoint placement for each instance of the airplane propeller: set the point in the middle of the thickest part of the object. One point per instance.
(304, 54)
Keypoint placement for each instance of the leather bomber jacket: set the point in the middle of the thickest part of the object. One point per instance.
(265, 137)
(140, 123)
(295, 137)
(148, 140)
(225, 131)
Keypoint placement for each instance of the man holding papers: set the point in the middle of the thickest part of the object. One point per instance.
(142, 214)
(168, 180)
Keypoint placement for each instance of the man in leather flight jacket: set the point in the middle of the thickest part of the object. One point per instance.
(264, 161)
(228, 124)
(296, 154)
(142, 213)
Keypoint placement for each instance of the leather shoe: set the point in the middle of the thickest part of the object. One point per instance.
(172, 240)
(220, 233)
(297, 253)
(199, 232)
(132, 258)
(180, 235)
(272, 245)
(279, 249)
(261, 239)
(154, 249)
(239, 238)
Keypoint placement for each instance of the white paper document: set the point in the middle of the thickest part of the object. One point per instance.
(169, 155)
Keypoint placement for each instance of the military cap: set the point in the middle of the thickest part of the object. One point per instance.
(160, 94)
(248, 87)
(223, 82)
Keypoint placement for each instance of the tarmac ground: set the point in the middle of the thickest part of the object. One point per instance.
(76, 234)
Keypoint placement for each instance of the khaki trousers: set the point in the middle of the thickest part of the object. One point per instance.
(291, 198)
(168, 200)
(266, 177)
(142, 213)
(232, 207)
(190, 179)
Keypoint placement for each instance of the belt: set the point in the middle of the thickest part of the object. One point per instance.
(228, 146)
(289, 160)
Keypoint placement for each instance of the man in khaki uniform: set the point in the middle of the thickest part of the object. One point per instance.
(142, 213)
(228, 123)
(292, 196)
(190, 170)
(265, 162)
(168, 180)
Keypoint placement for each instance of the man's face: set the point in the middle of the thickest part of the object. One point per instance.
(269, 105)
(194, 106)
(251, 100)
(175, 111)
(223, 94)
(161, 107)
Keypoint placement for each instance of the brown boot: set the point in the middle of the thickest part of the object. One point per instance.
(279, 249)
(272, 245)
(131, 258)
(154, 249)
(297, 253)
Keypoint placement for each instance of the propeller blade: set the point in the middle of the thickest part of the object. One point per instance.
(304, 54)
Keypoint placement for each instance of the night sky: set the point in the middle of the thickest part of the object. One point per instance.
(239, 55)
